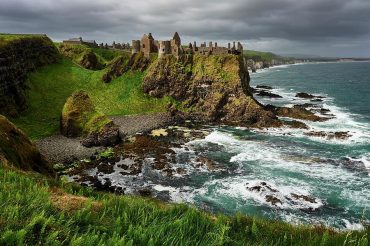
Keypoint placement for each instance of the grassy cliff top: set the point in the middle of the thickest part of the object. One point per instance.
(261, 55)
(5, 38)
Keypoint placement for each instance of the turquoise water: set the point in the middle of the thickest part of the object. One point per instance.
(282, 173)
(278, 173)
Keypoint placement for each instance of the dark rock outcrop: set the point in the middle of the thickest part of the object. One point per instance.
(82, 55)
(122, 64)
(89, 60)
(329, 135)
(80, 118)
(296, 112)
(18, 57)
(307, 96)
(212, 88)
(264, 93)
(17, 150)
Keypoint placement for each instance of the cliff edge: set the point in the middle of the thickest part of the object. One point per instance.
(213, 88)
(19, 55)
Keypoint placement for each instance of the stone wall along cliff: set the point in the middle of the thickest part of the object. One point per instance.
(19, 56)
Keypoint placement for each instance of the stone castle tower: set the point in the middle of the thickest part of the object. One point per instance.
(148, 45)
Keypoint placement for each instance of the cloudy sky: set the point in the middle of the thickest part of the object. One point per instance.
(318, 27)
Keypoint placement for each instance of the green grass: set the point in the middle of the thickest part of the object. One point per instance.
(107, 55)
(5, 38)
(50, 86)
(261, 56)
(29, 217)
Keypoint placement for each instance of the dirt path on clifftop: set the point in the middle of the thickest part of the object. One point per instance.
(60, 149)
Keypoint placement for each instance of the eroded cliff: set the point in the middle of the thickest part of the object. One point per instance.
(214, 88)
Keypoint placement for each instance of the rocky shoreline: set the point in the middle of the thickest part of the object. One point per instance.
(61, 149)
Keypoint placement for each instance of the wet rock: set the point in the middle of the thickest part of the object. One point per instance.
(109, 135)
(273, 200)
(263, 186)
(296, 112)
(329, 135)
(296, 124)
(304, 198)
(266, 87)
(106, 168)
(264, 93)
(145, 192)
(306, 95)
(206, 162)
(316, 100)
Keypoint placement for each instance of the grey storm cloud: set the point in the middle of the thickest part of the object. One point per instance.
(321, 27)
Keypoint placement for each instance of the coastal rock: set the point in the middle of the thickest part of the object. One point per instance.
(17, 150)
(296, 112)
(270, 194)
(266, 87)
(80, 118)
(329, 135)
(211, 88)
(264, 93)
(307, 96)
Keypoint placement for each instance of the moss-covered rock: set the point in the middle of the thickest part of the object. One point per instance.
(19, 55)
(81, 119)
(124, 63)
(17, 150)
(82, 55)
(214, 88)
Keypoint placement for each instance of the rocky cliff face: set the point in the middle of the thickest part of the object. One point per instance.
(17, 58)
(213, 88)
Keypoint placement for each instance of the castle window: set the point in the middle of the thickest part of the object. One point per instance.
(163, 50)
(143, 45)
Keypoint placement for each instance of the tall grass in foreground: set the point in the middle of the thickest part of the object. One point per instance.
(34, 210)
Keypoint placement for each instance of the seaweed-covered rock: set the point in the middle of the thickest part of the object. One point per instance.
(17, 150)
(80, 118)
(212, 88)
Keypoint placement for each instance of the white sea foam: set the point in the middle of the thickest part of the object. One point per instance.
(353, 226)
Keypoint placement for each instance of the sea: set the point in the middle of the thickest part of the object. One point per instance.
(282, 173)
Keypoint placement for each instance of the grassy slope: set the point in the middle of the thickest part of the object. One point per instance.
(260, 55)
(6, 38)
(50, 86)
(39, 211)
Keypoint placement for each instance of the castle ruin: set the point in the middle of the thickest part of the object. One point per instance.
(148, 45)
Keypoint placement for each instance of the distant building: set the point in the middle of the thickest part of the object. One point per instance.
(90, 43)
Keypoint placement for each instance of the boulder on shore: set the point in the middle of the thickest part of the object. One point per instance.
(81, 119)
(17, 150)
(296, 112)
(305, 95)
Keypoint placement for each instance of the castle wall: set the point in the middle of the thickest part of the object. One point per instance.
(164, 48)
